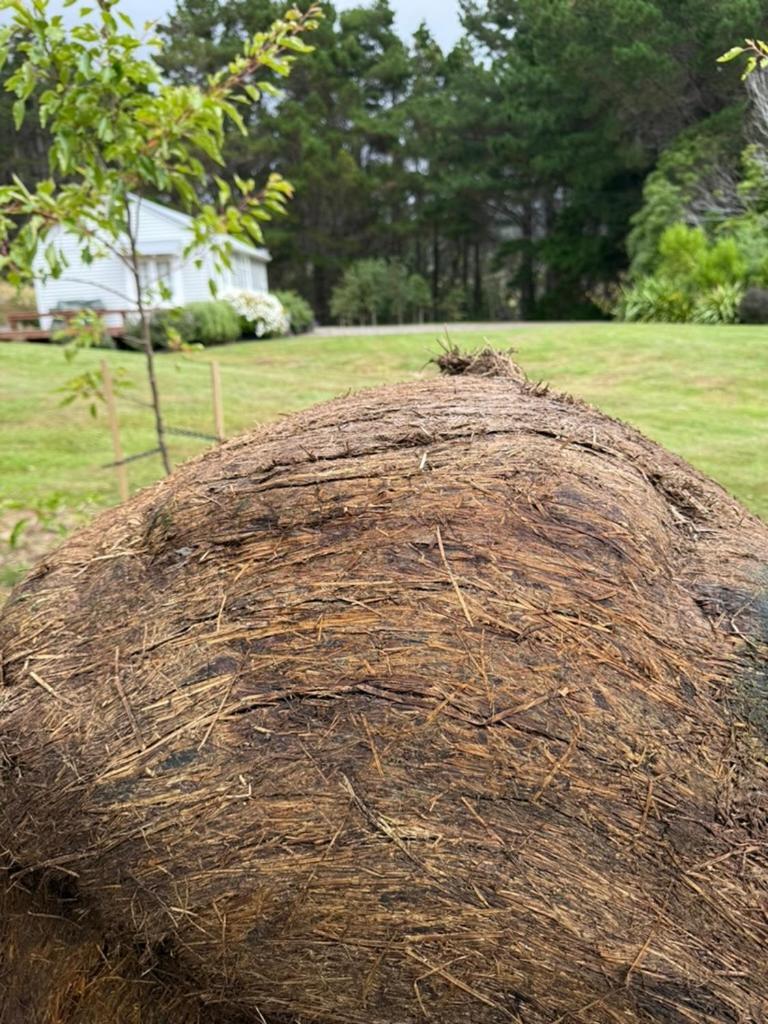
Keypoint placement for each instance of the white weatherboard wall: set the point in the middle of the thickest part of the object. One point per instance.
(162, 234)
(104, 279)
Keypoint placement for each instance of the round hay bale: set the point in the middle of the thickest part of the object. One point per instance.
(441, 702)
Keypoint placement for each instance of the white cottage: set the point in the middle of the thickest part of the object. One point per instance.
(162, 235)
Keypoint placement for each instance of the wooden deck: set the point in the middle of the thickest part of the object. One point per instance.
(28, 327)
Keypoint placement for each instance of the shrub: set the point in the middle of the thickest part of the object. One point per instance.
(261, 314)
(654, 299)
(212, 323)
(453, 305)
(719, 305)
(197, 323)
(395, 296)
(750, 234)
(697, 279)
(361, 297)
(681, 252)
(298, 310)
(754, 306)
(379, 291)
(419, 296)
(689, 259)
(164, 326)
(722, 264)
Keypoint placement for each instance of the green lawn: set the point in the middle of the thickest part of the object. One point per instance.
(701, 391)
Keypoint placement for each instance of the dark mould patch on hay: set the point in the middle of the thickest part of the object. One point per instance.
(743, 614)
(674, 1004)
(178, 760)
(116, 792)
(751, 698)
(47, 884)
(442, 702)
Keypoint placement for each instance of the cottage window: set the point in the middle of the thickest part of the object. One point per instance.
(240, 273)
(155, 273)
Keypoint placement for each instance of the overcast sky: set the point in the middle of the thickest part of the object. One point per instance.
(441, 15)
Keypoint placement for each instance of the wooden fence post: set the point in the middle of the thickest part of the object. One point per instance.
(218, 407)
(117, 448)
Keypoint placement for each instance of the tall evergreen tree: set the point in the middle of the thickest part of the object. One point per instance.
(522, 152)
(590, 93)
(452, 225)
(335, 125)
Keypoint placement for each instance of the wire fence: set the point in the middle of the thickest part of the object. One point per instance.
(121, 461)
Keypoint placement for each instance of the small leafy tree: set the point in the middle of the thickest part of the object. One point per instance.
(361, 296)
(419, 296)
(119, 132)
(375, 291)
(396, 291)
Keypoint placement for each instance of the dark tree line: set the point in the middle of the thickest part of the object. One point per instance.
(505, 171)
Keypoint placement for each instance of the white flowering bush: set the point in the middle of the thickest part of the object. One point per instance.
(262, 313)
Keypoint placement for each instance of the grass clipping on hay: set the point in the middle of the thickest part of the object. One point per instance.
(436, 702)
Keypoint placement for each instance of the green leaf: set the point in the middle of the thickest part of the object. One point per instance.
(15, 535)
(225, 191)
(732, 54)
(18, 114)
(750, 67)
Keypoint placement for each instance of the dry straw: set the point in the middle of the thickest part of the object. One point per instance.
(442, 702)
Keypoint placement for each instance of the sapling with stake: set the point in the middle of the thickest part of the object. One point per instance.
(120, 133)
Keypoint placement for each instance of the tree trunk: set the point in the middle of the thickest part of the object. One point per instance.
(156, 407)
(551, 276)
(146, 340)
(320, 293)
(527, 275)
(478, 281)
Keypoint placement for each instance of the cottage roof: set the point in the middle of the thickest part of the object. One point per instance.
(183, 220)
